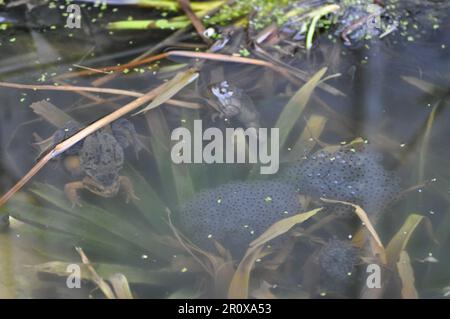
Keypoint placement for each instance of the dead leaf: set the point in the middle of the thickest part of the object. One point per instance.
(282, 226)
(171, 88)
(406, 274)
(239, 286)
(241, 279)
(120, 286)
(376, 244)
(401, 239)
(102, 284)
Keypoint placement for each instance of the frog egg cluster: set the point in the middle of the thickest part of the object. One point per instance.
(352, 175)
(236, 213)
(337, 263)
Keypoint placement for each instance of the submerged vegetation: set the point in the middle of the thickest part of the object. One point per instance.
(346, 197)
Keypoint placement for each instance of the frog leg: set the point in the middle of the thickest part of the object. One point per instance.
(71, 190)
(125, 134)
(127, 187)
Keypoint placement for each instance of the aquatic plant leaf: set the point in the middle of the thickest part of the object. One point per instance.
(55, 245)
(308, 138)
(101, 283)
(376, 244)
(148, 24)
(420, 84)
(239, 286)
(51, 113)
(280, 255)
(184, 174)
(425, 141)
(171, 88)
(315, 17)
(55, 220)
(108, 222)
(160, 146)
(220, 268)
(120, 286)
(150, 204)
(296, 105)
(401, 239)
(135, 275)
(406, 274)
(174, 176)
(282, 227)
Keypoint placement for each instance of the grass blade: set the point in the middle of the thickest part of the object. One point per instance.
(239, 286)
(296, 105)
(406, 274)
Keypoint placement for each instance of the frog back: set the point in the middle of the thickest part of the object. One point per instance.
(101, 153)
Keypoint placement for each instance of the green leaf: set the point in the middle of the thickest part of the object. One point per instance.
(173, 176)
(58, 221)
(295, 107)
(239, 286)
(106, 221)
(134, 275)
(401, 239)
(307, 139)
(149, 204)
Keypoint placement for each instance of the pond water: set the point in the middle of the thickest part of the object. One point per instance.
(373, 133)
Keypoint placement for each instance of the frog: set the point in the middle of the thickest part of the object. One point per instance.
(359, 22)
(230, 101)
(98, 160)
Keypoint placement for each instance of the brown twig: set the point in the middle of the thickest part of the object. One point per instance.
(70, 88)
(196, 55)
(172, 38)
(73, 88)
(101, 283)
(196, 22)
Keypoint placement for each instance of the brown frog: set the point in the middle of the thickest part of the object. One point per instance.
(98, 159)
(230, 101)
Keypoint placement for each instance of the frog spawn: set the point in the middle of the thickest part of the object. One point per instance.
(236, 213)
(337, 262)
(353, 175)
